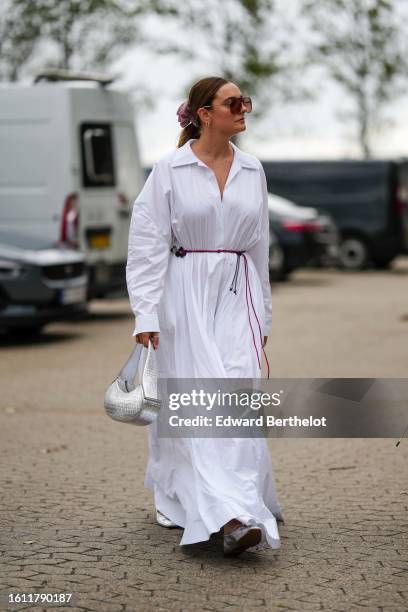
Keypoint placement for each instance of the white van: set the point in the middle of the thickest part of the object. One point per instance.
(70, 168)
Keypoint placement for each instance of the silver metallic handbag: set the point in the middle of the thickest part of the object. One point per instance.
(125, 402)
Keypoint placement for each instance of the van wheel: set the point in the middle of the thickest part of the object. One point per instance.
(353, 254)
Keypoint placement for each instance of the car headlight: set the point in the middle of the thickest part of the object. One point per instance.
(11, 269)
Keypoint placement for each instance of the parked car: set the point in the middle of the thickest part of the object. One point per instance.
(367, 199)
(305, 236)
(70, 168)
(39, 282)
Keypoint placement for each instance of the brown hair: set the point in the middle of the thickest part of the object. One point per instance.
(202, 93)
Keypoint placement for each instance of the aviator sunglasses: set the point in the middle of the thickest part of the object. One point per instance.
(235, 104)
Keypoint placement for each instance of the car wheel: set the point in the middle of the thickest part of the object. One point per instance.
(276, 260)
(28, 330)
(278, 276)
(353, 254)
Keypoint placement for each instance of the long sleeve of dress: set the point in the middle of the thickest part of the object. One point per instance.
(260, 255)
(148, 251)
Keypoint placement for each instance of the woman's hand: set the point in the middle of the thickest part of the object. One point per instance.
(144, 337)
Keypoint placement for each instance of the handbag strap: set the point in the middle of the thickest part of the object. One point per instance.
(129, 370)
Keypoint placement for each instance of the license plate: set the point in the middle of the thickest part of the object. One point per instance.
(72, 295)
(99, 241)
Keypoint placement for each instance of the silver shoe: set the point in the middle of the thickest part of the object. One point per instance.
(164, 521)
(241, 538)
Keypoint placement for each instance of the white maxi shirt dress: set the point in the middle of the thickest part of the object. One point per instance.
(205, 331)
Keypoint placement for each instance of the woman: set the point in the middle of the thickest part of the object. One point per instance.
(206, 195)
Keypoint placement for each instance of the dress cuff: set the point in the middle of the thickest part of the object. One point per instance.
(146, 323)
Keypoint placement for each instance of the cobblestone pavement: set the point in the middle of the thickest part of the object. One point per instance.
(75, 517)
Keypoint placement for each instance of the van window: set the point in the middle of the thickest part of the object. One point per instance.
(97, 155)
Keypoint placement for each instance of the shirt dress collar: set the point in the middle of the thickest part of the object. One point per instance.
(184, 155)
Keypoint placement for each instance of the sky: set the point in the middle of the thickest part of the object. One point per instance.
(305, 130)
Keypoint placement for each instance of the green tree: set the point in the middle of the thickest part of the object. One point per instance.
(17, 41)
(84, 33)
(360, 45)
